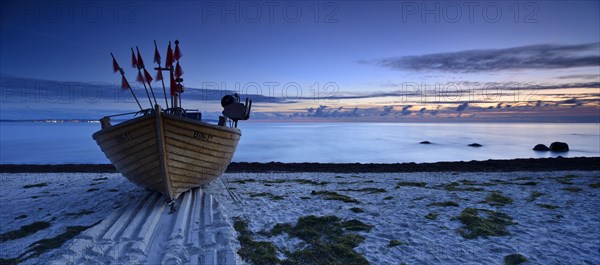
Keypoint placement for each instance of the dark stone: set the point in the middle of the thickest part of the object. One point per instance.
(425, 142)
(559, 147)
(475, 145)
(541, 147)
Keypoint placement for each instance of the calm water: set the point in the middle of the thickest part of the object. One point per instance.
(58, 143)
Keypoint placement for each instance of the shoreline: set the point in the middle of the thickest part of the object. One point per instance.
(511, 165)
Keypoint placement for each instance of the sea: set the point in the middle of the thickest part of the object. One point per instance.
(68, 142)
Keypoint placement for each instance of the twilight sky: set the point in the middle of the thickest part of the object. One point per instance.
(307, 60)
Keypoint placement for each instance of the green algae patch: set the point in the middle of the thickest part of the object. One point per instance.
(395, 242)
(534, 195)
(573, 189)
(497, 199)
(514, 259)
(329, 239)
(334, 196)
(38, 185)
(491, 223)
(432, 215)
(455, 186)
(410, 184)
(357, 210)
(256, 252)
(268, 195)
(24, 231)
(548, 206)
(367, 190)
(444, 204)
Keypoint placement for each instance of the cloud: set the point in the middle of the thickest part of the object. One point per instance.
(542, 56)
(387, 110)
(435, 112)
(405, 110)
(592, 77)
(462, 107)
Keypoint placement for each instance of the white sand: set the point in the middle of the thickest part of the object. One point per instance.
(566, 235)
(569, 234)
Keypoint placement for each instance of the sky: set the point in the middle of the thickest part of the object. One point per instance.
(391, 61)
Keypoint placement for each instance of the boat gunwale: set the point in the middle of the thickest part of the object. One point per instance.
(197, 122)
(168, 116)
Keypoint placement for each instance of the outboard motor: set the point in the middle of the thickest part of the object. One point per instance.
(234, 110)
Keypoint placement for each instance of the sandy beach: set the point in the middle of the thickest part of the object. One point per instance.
(440, 217)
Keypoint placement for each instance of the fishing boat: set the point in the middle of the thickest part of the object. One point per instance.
(171, 150)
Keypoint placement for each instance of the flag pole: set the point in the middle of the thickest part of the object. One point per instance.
(169, 67)
(142, 77)
(147, 76)
(125, 80)
(178, 72)
(157, 60)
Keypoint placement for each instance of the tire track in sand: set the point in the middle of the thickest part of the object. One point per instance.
(144, 232)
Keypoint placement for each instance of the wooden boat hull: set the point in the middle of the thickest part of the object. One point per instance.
(168, 154)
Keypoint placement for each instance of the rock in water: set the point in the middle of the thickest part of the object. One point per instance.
(541, 147)
(559, 147)
(475, 145)
(425, 142)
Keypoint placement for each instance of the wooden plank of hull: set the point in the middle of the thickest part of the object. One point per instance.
(197, 155)
(188, 175)
(140, 165)
(214, 145)
(187, 162)
(143, 175)
(220, 131)
(197, 182)
(146, 157)
(216, 139)
(193, 151)
(139, 139)
(140, 150)
(106, 136)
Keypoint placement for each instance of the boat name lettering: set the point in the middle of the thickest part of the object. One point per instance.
(123, 138)
(202, 136)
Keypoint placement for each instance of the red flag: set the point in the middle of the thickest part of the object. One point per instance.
(169, 60)
(156, 54)
(139, 59)
(178, 71)
(177, 53)
(140, 78)
(173, 84)
(124, 84)
(148, 76)
(158, 76)
(115, 65)
(134, 62)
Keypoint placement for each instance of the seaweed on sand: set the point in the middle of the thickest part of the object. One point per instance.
(497, 199)
(329, 240)
(24, 231)
(475, 225)
(444, 204)
(514, 259)
(256, 252)
(331, 195)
